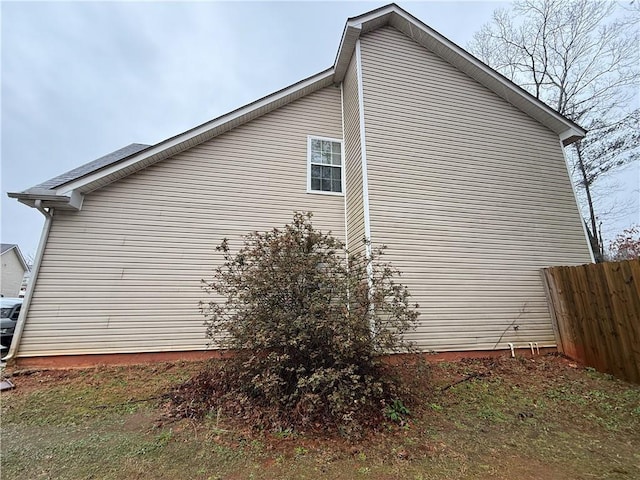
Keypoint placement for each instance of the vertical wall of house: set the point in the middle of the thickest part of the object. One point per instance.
(12, 274)
(353, 160)
(123, 274)
(471, 196)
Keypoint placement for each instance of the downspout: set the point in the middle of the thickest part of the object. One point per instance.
(365, 180)
(17, 334)
(363, 156)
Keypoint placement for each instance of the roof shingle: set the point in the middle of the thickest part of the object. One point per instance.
(91, 167)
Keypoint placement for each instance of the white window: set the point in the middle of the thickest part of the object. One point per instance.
(324, 159)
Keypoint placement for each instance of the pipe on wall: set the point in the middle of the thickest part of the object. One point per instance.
(17, 334)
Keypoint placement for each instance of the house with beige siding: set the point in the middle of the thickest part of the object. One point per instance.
(406, 139)
(12, 269)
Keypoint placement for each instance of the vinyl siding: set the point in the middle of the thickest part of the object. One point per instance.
(471, 196)
(353, 160)
(12, 274)
(123, 274)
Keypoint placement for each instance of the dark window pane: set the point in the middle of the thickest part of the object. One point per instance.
(326, 166)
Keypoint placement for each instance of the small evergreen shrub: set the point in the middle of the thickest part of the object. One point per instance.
(308, 323)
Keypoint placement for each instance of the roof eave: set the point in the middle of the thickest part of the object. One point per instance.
(350, 35)
(49, 199)
(572, 135)
(197, 135)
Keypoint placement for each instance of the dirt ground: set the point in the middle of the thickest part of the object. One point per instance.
(539, 418)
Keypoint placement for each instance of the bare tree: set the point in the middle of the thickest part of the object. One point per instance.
(581, 58)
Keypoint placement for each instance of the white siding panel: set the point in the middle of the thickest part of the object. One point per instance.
(12, 273)
(123, 274)
(470, 195)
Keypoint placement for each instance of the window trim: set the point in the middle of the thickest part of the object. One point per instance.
(342, 165)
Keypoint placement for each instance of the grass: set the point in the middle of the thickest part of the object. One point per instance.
(515, 418)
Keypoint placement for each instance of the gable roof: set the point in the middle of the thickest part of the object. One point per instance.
(394, 16)
(65, 195)
(65, 191)
(7, 247)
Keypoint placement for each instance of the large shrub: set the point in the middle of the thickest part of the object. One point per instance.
(308, 323)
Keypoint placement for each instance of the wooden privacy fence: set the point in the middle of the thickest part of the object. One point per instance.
(596, 314)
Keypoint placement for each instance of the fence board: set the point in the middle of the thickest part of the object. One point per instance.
(613, 336)
(596, 314)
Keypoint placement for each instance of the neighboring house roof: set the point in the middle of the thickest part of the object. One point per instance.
(7, 247)
(66, 191)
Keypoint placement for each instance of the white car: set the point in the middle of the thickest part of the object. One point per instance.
(9, 311)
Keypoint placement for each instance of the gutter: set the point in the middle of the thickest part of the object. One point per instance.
(72, 201)
(17, 334)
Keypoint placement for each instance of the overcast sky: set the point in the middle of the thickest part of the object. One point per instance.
(82, 79)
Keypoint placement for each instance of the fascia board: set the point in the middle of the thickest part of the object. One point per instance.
(374, 15)
(571, 135)
(352, 31)
(49, 199)
(34, 193)
(347, 44)
(196, 135)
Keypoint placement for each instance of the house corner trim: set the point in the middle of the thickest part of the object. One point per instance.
(363, 148)
(344, 176)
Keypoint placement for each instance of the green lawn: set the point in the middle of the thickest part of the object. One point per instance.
(519, 419)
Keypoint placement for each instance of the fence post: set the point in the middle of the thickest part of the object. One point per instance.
(552, 301)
